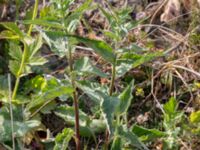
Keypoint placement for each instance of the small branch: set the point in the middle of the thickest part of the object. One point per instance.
(75, 98)
(112, 78)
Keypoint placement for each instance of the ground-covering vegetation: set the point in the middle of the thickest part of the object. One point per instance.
(90, 74)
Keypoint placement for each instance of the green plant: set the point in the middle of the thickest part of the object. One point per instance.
(57, 29)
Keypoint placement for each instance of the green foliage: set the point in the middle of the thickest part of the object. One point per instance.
(108, 106)
(125, 99)
(172, 117)
(62, 139)
(33, 95)
(147, 134)
(102, 48)
(47, 90)
(84, 66)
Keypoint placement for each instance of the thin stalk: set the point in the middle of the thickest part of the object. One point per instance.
(18, 76)
(11, 112)
(112, 83)
(75, 98)
(35, 10)
(112, 79)
(24, 52)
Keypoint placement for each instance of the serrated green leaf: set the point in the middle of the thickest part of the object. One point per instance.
(147, 134)
(12, 27)
(170, 106)
(14, 67)
(35, 46)
(125, 99)
(37, 60)
(122, 69)
(15, 51)
(20, 128)
(6, 34)
(84, 65)
(57, 41)
(145, 58)
(102, 48)
(131, 138)
(49, 95)
(91, 88)
(139, 59)
(108, 107)
(68, 114)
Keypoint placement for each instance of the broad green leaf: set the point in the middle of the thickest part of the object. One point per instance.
(12, 27)
(14, 67)
(122, 69)
(49, 95)
(35, 46)
(20, 128)
(68, 114)
(125, 99)
(47, 23)
(63, 138)
(147, 134)
(130, 60)
(131, 138)
(108, 107)
(37, 60)
(7, 34)
(84, 65)
(170, 106)
(91, 88)
(15, 51)
(102, 48)
(139, 59)
(57, 41)
(133, 48)
(146, 58)
(45, 90)
(195, 117)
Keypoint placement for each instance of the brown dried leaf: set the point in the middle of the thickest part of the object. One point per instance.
(171, 11)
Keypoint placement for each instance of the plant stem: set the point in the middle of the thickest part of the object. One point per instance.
(76, 107)
(34, 15)
(18, 76)
(24, 52)
(112, 78)
(112, 83)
